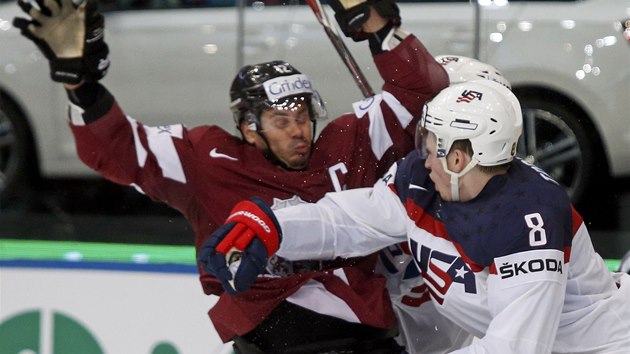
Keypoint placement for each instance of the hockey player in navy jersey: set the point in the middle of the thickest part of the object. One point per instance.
(301, 307)
(421, 329)
(503, 253)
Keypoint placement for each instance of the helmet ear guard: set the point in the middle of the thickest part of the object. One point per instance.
(483, 112)
(253, 123)
(240, 114)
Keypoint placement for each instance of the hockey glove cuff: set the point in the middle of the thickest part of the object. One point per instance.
(237, 252)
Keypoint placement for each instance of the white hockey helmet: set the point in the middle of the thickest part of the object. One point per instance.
(482, 111)
(461, 69)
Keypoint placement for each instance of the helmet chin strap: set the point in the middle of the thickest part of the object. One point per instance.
(455, 177)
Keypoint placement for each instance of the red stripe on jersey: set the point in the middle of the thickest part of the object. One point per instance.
(404, 246)
(473, 266)
(577, 223)
(493, 269)
(436, 296)
(425, 221)
(577, 220)
(423, 291)
(393, 188)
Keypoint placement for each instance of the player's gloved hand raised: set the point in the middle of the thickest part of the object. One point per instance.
(237, 252)
(70, 36)
(352, 14)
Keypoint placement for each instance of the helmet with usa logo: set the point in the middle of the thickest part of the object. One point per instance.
(461, 69)
(482, 111)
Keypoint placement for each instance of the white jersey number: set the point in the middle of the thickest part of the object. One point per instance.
(537, 234)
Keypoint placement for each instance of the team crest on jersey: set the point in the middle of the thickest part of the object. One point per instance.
(441, 271)
(279, 266)
(283, 203)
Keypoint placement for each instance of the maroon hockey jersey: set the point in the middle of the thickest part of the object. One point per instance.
(204, 171)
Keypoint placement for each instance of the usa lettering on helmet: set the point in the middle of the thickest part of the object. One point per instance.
(446, 59)
(284, 86)
(469, 95)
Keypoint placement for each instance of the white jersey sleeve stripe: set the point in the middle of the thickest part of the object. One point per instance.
(161, 144)
(403, 115)
(314, 296)
(76, 114)
(381, 140)
(341, 274)
(141, 152)
(371, 106)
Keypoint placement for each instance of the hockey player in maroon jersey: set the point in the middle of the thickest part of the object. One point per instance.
(302, 307)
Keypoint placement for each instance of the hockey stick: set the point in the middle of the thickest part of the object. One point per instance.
(341, 48)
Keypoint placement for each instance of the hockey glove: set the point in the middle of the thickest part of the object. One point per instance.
(352, 14)
(237, 252)
(70, 36)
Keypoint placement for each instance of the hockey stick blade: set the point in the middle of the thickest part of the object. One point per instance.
(341, 48)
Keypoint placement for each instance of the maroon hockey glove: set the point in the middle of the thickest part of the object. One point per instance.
(237, 252)
(352, 14)
(70, 36)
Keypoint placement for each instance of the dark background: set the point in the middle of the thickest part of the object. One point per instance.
(99, 211)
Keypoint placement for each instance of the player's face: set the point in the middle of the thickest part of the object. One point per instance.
(438, 175)
(289, 133)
